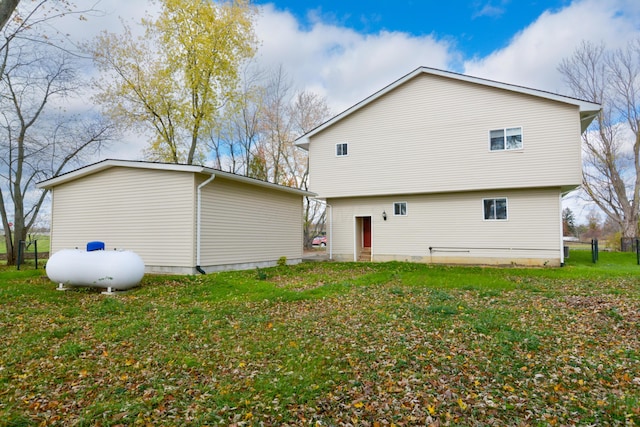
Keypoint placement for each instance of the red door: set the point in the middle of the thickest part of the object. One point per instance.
(366, 232)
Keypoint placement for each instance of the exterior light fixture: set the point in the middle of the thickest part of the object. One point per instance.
(384, 215)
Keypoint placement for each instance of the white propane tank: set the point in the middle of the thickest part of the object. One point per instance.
(101, 269)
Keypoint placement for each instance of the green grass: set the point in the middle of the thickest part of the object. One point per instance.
(329, 344)
(43, 244)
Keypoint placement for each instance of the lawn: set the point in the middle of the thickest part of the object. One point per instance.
(329, 344)
(43, 244)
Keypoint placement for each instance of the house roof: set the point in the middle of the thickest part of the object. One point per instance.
(110, 163)
(588, 110)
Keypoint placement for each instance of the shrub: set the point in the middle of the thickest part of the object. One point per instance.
(260, 274)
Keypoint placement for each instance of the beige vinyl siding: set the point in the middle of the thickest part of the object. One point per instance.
(148, 211)
(242, 223)
(454, 226)
(431, 134)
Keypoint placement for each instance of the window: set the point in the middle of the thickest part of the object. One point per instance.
(341, 149)
(400, 208)
(505, 139)
(495, 209)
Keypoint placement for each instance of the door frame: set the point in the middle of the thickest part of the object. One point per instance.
(359, 232)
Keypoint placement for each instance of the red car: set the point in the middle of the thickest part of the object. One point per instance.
(319, 241)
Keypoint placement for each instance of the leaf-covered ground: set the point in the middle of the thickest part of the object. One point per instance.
(327, 344)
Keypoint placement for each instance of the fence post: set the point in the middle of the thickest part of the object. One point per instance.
(20, 252)
(22, 249)
(594, 250)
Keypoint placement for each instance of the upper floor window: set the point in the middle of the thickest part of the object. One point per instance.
(495, 209)
(505, 139)
(400, 208)
(341, 149)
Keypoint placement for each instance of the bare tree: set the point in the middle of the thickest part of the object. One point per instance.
(258, 134)
(26, 21)
(277, 125)
(233, 143)
(38, 139)
(247, 120)
(34, 20)
(611, 147)
(309, 110)
(289, 114)
(593, 226)
(258, 139)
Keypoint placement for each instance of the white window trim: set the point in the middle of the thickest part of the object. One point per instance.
(496, 219)
(342, 155)
(505, 142)
(406, 209)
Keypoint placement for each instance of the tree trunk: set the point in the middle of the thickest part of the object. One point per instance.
(19, 231)
(11, 258)
(6, 10)
(8, 238)
(629, 233)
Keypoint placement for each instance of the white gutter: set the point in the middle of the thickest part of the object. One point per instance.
(199, 222)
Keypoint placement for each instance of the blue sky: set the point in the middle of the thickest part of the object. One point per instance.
(476, 27)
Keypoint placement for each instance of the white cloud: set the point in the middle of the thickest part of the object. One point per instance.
(532, 56)
(489, 10)
(107, 15)
(339, 63)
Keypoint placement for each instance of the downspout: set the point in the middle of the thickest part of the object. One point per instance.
(355, 238)
(561, 231)
(199, 223)
(330, 231)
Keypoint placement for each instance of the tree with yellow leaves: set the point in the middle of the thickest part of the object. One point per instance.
(175, 79)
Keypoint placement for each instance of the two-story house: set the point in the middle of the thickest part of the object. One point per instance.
(446, 168)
